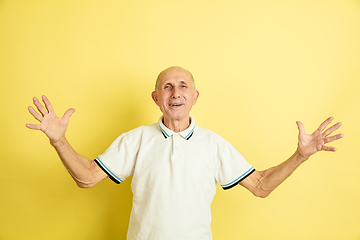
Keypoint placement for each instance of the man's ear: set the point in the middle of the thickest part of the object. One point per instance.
(154, 97)
(196, 96)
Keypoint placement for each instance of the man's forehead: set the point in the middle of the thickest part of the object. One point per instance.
(175, 78)
(175, 75)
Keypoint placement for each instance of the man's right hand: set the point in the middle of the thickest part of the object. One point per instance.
(50, 124)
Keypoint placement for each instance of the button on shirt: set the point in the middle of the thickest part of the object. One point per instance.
(174, 178)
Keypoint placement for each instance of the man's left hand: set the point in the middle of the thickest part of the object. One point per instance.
(310, 144)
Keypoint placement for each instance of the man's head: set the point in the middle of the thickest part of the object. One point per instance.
(175, 94)
(174, 68)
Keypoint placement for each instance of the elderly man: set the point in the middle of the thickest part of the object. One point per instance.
(175, 164)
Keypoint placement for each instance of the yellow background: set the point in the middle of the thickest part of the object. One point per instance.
(259, 66)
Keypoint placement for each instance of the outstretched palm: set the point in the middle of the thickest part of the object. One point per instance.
(50, 124)
(310, 144)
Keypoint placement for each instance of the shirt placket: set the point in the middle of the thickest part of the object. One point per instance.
(175, 139)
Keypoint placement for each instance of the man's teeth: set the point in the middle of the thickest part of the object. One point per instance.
(175, 105)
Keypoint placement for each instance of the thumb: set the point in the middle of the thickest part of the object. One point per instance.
(68, 113)
(300, 127)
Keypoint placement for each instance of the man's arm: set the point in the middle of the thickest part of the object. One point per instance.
(86, 173)
(262, 183)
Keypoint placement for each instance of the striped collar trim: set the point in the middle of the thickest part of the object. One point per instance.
(187, 133)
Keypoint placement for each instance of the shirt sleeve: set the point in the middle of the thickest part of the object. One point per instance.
(118, 160)
(232, 167)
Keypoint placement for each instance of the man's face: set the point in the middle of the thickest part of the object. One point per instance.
(175, 94)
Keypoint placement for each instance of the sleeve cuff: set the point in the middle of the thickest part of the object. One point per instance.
(239, 179)
(111, 175)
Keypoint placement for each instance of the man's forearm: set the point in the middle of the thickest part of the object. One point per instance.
(273, 177)
(85, 172)
(262, 183)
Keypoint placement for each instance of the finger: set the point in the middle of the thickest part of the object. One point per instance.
(325, 123)
(36, 115)
(39, 106)
(47, 103)
(33, 126)
(300, 127)
(333, 138)
(327, 148)
(68, 113)
(332, 129)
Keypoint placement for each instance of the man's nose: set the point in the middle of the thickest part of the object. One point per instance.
(175, 94)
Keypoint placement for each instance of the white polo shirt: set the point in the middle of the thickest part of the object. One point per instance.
(174, 178)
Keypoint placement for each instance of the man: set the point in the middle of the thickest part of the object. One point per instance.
(175, 164)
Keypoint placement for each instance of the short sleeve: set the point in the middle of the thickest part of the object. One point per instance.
(232, 167)
(118, 160)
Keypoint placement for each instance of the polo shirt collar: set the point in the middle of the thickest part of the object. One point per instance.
(187, 133)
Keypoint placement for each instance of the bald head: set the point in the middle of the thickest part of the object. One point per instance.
(174, 70)
(175, 94)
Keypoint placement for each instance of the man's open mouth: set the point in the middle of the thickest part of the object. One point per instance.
(175, 104)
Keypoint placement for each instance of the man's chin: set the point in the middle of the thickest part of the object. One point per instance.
(176, 117)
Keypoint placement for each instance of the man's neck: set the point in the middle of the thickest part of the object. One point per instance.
(177, 125)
